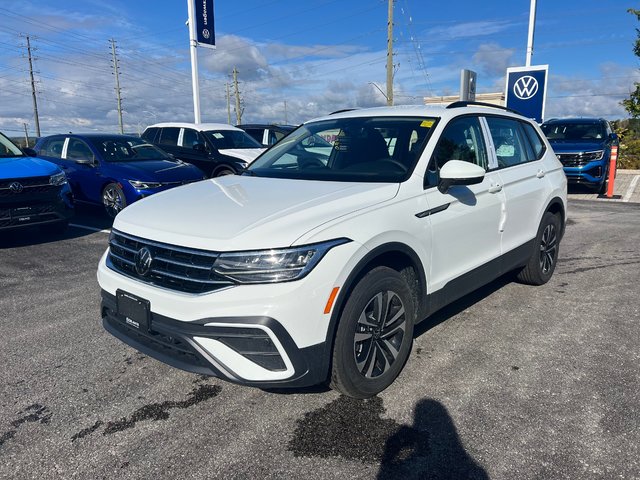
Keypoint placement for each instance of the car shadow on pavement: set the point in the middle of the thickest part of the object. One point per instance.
(430, 448)
(87, 220)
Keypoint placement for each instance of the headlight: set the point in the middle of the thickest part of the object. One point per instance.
(270, 266)
(140, 185)
(58, 179)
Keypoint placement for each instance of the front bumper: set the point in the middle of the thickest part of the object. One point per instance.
(254, 351)
(27, 210)
(593, 173)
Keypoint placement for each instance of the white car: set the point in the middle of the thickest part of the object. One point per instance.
(314, 265)
(215, 148)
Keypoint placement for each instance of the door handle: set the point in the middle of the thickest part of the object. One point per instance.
(495, 188)
(540, 174)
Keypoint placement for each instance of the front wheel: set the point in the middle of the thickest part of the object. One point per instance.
(542, 263)
(223, 171)
(374, 335)
(113, 199)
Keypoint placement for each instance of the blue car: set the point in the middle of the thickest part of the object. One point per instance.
(583, 145)
(32, 191)
(115, 170)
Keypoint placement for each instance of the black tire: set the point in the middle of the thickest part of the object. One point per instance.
(113, 199)
(368, 351)
(542, 263)
(221, 172)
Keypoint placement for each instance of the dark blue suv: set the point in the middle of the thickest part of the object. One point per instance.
(115, 170)
(32, 191)
(583, 145)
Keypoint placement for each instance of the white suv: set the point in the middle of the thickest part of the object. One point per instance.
(317, 262)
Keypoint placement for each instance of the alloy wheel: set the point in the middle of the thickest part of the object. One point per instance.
(548, 248)
(379, 332)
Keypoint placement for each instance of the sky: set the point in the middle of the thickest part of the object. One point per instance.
(297, 60)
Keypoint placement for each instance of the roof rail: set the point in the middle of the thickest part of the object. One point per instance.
(481, 104)
(343, 110)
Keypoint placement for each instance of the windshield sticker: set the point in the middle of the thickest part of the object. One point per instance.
(427, 123)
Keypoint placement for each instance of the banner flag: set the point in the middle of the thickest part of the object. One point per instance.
(205, 31)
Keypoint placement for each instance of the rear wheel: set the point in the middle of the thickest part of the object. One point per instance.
(113, 199)
(374, 335)
(545, 256)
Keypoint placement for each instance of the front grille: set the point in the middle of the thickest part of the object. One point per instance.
(30, 185)
(176, 268)
(578, 159)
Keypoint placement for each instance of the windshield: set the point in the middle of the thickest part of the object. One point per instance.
(574, 132)
(127, 149)
(8, 149)
(380, 149)
(227, 139)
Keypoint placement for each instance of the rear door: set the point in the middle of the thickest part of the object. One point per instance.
(83, 169)
(519, 151)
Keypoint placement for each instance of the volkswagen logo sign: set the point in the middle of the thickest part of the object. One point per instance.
(143, 260)
(16, 187)
(206, 34)
(525, 87)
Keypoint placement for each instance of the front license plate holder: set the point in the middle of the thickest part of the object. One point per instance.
(134, 311)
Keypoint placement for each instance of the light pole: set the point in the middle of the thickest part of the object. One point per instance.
(532, 27)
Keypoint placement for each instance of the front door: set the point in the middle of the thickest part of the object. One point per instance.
(465, 221)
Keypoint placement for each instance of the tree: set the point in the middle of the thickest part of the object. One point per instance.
(632, 104)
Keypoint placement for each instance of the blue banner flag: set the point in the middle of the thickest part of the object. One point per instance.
(205, 32)
(526, 90)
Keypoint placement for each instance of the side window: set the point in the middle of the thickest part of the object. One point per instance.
(256, 133)
(537, 145)
(508, 141)
(461, 140)
(78, 150)
(53, 148)
(169, 136)
(189, 138)
(150, 134)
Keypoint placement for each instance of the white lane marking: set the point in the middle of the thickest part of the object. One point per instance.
(632, 187)
(93, 229)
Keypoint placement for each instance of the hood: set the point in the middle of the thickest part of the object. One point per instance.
(156, 170)
(562, 146)
(24, 167)
(246, 213)
(245, 154)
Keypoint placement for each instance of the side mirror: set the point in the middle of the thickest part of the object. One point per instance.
(200, 147)
(85, 161)
(613, 137)
(457, 172)
(29, 152)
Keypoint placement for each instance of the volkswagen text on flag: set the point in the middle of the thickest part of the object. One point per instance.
(205, 32)
(526, 90)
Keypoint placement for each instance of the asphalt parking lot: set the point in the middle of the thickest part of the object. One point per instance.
(510, 382)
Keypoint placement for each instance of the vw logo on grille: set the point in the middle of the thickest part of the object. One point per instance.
(16, 187)
(526, 87)
(143, 261)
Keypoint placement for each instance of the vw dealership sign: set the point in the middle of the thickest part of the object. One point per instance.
(527, 90)
(205, 33)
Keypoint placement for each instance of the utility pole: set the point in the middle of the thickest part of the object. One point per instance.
(235, 86)
(33, 88)
(286, 121)
(390, 55)
(117, 75)
(532, 25)
(26, 135)
(228, 104)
